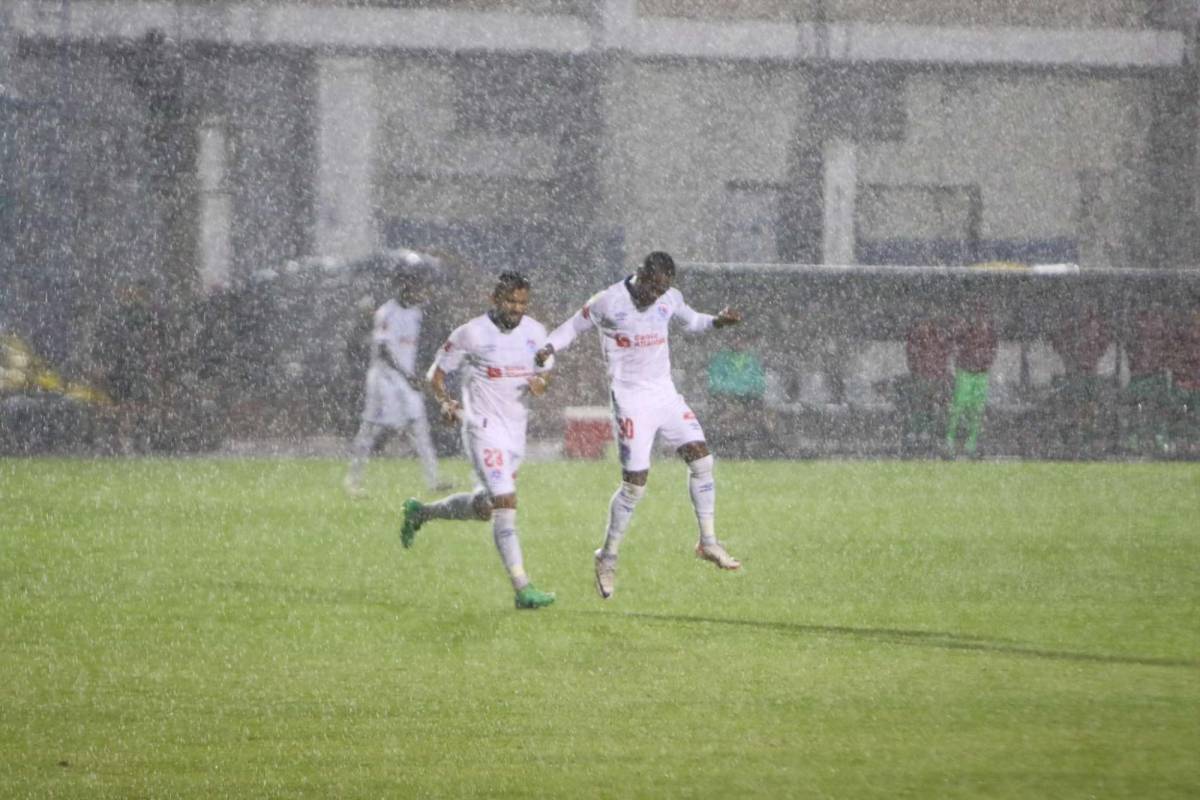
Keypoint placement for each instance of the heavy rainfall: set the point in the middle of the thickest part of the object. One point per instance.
(258, 264)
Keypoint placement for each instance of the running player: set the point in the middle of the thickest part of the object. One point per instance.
(496, 350)
(633, 317)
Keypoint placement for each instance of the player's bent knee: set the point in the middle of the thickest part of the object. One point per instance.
(504, 501)
(635, 478)
(482, 504)
(693, 451)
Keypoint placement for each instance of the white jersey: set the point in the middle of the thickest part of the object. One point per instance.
(498, 365)
(397, 328)
(635, 344)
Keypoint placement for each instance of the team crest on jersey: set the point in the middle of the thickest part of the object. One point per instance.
(663, 310)
(495, 372)
(531, 345)
(620, 315)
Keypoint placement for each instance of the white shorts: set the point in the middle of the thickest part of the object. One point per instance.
(637, 421)
(496, 455)
(390, 400)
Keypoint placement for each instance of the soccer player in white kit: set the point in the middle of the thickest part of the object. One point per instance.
(633, 317)
(496, 350)
(393, 396)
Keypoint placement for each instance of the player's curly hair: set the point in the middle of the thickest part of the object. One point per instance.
(511, 281)
(659, 263)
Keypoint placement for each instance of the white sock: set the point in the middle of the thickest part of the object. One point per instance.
(620, 512)
(504, 533)
(360, 450)
(703, 490)
(455, 506)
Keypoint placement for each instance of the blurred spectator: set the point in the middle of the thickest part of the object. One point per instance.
(40, 410)
(1148, 396)
(129, 354)
(923, 393)
(1080, 341)
(975, 346)
(1185, 375)
(737, 385)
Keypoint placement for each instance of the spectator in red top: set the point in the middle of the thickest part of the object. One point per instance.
(1080, 342)
(975, 347)
(1185, 376)
(924, 392)
(1148, 395)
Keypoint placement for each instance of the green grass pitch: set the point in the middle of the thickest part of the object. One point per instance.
(240, 628)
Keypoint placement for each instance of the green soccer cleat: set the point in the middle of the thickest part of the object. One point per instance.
(412, 521)
(530, 597)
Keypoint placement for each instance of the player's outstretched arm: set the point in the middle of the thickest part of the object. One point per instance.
(695, 322)
(563, 335)
(726, 317)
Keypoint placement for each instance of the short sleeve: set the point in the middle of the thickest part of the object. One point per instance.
(454, 350)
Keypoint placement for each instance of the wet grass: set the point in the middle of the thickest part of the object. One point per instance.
(206, 628)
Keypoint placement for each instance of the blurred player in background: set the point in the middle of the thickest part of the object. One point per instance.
(633, 317)
(393, 396)
(975, 348)
(926, 389)
(497, 351)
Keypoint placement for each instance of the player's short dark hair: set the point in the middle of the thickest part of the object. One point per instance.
(659, 263)
(511, 281)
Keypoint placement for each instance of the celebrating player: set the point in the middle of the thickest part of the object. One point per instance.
(633, 317)
(393, 398)
(497, 350)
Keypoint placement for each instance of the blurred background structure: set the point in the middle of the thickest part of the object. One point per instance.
(223, 165)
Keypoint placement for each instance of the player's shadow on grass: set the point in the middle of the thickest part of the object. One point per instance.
(914, 638)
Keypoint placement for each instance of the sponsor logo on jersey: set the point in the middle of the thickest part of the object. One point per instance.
(649, 339)
(509, 372)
